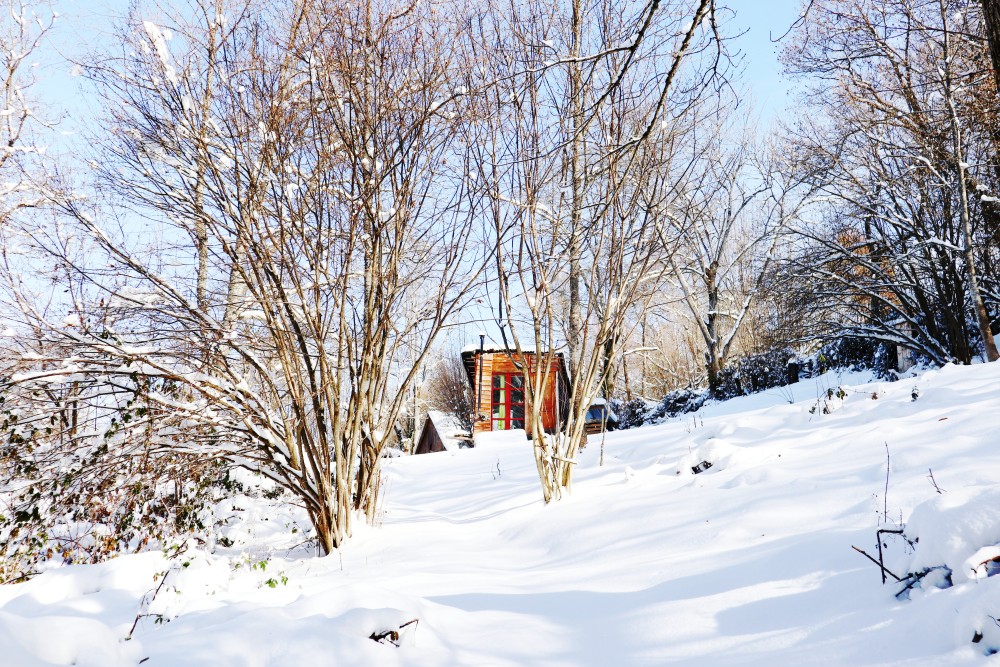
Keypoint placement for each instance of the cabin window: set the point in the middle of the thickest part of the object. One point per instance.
(508, 401)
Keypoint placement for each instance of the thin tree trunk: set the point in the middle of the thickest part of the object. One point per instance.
(713, 363)
(982, 317)
(236, 291)
(577, 186)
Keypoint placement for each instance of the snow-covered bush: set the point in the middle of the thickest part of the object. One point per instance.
(856, 352)
(632, 413)
(755, 373)
(88, 473)
(679, 402)
(638, 411)
(760, 372)
(953, 540)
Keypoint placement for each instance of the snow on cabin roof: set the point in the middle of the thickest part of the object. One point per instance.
(446, 424)
(449, 429)
(469, 353)
(490, 346)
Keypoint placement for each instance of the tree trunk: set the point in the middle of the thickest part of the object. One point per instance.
(236, 291)
(713, 368)
(982, 317)
(713, 364)
(991, 12)
(577, 187)
(607, 371)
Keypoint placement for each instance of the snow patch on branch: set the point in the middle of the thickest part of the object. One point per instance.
(159, 40)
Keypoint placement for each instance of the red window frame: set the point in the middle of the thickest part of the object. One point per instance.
(506, 399)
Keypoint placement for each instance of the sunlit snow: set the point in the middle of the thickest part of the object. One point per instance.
(749, 562)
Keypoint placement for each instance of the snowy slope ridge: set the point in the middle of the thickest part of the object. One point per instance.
(646, 563)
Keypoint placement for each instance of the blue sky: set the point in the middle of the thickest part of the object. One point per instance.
(763, 21)
(87, 24)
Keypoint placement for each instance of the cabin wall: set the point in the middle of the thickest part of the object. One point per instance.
(501, 363)
(481, 394)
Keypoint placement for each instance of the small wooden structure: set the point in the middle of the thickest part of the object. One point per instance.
(442, 432)
(600, 417)
(497, 376)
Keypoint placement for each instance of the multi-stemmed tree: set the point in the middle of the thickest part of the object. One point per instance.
(576, 144)
(292, 222)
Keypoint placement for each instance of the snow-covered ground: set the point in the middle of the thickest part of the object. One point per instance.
(646, 563)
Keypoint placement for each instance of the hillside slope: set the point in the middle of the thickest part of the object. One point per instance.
(646, 563)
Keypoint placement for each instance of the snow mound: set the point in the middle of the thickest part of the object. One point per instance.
(82, 641)
(956, 543)
(713, 455)
(959, 530)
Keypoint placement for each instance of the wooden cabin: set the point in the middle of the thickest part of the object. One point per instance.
(500, 395)
(442, 432)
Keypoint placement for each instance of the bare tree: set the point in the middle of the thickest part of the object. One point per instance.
(447, 389)
(83, 476)
(25, 27)
(991, 16)
(900, 153)
(951, 90)
(738, 208)
(307, 152)
(576, 143)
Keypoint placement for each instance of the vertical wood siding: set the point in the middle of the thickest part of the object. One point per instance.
(498, 362)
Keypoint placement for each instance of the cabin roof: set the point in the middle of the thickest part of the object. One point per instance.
(449, 429)
(447, 425)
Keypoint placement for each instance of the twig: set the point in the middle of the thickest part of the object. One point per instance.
(140, 614)
(604, 428)
(878, 539)
(882, 567)
(915, 579)
(885, 496)
(930, 473)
